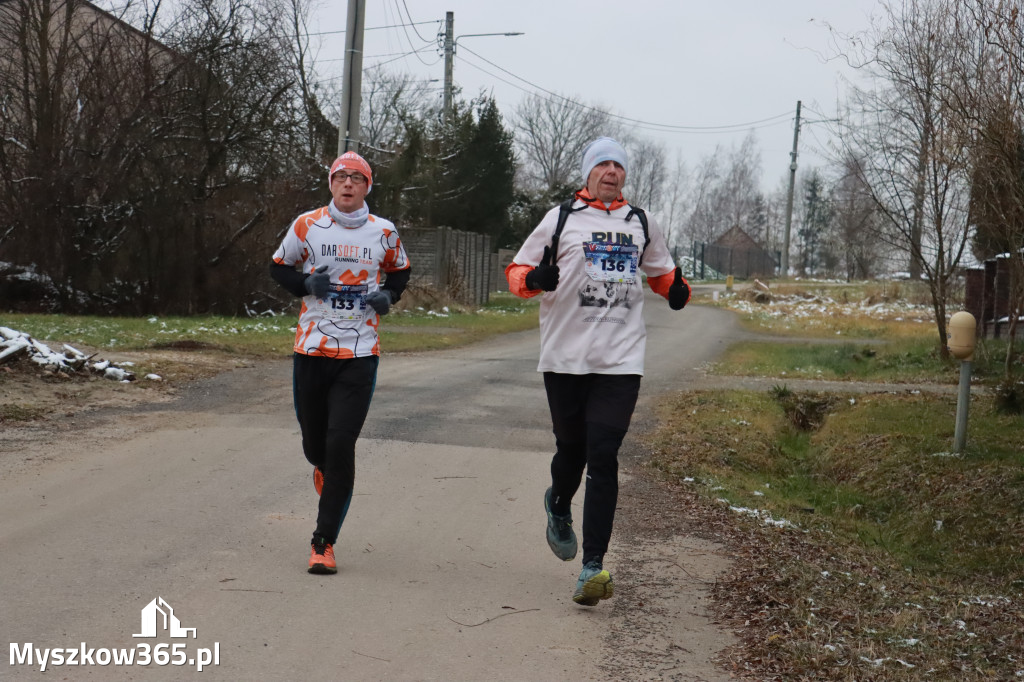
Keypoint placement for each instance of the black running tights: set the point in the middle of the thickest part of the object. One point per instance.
(332, 397)
(590, 415)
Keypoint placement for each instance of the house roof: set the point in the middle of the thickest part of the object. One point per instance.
(736, 238)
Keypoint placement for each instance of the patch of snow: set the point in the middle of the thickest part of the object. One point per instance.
(69, 361)
(765, 517)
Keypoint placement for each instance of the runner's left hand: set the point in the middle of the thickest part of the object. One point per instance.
(679, 292)
(380, 301)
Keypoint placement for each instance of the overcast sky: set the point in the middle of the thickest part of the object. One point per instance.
(670, 62)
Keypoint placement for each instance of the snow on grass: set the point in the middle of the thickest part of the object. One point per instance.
(791, 307)
(70, 361)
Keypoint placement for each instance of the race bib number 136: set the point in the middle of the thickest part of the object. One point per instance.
(610, 262)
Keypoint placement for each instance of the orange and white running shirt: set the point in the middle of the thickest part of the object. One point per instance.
(592, 323)
(343, 325)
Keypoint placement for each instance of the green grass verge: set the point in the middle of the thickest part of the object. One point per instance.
(401, 331)
(902, 360)
(886, 537)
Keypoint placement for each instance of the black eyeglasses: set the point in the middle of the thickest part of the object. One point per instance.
(356, 178)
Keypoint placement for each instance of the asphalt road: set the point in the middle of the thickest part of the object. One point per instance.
(207, 504)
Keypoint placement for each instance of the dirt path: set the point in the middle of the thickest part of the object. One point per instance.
(201, 497)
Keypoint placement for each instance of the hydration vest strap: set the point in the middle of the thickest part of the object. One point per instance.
(565, 208)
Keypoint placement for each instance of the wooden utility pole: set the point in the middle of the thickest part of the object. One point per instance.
(352, 81)
(789, 198)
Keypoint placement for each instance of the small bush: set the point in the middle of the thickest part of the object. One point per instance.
(1009, 396)
(805, 412)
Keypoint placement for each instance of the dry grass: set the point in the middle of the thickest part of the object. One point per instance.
(864, 310)
(863, 549)
(843, 570)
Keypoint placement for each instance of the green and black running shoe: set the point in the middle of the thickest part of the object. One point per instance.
(561, 538)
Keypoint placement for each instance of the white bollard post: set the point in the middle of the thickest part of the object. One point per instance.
(963, 401)
(962, 333)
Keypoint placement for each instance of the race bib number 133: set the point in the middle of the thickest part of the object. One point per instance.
(345, 302)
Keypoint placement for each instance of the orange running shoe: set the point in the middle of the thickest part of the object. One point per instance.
(321, 559)
(318, 480)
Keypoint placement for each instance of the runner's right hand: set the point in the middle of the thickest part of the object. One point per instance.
(545, 275)
(318, 283)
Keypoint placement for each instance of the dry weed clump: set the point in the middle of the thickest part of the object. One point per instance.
(428, 298)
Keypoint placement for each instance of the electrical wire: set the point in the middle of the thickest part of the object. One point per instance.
(648, 125)
(413, 23)
(771, 121)
(405, 32)
(368, 67)
(372, 56)
(372, 28)
(406, 54)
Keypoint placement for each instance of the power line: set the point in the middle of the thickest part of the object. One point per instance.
(405, 32)
(662, 127)
(414, 52)
(373, 56)
(366, 68)
(372, 28)
(778, 119)
(413, 23)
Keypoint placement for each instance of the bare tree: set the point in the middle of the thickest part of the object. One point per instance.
(645, 183)
(321, 136)
(704, 220)
(674, 204)
(725, 190)
(389, 102)
(989, 88)
(78, 87)
(740, 185)
(902, 139)
(856, 221)
(153, 156)
(551, 133)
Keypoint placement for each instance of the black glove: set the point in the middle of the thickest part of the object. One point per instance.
(679, 292)
(545, 275)
(380, 301)
(318, 283)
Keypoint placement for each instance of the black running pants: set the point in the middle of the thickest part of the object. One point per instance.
(590, 415)
(332, 397)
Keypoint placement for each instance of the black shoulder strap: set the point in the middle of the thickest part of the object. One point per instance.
(639, 212)
(564, 209)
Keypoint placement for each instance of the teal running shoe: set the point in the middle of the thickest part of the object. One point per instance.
(593, 585)
(561, 538)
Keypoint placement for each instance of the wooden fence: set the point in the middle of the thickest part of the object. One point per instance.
(459, 263)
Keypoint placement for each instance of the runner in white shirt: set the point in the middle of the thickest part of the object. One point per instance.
(342, 251)
(592, 345)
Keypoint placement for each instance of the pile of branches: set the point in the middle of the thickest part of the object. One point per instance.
(15, 345)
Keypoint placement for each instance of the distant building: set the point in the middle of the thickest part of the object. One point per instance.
(736, 253)
(987, 295)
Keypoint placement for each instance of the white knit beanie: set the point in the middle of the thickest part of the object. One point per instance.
(600, 150)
